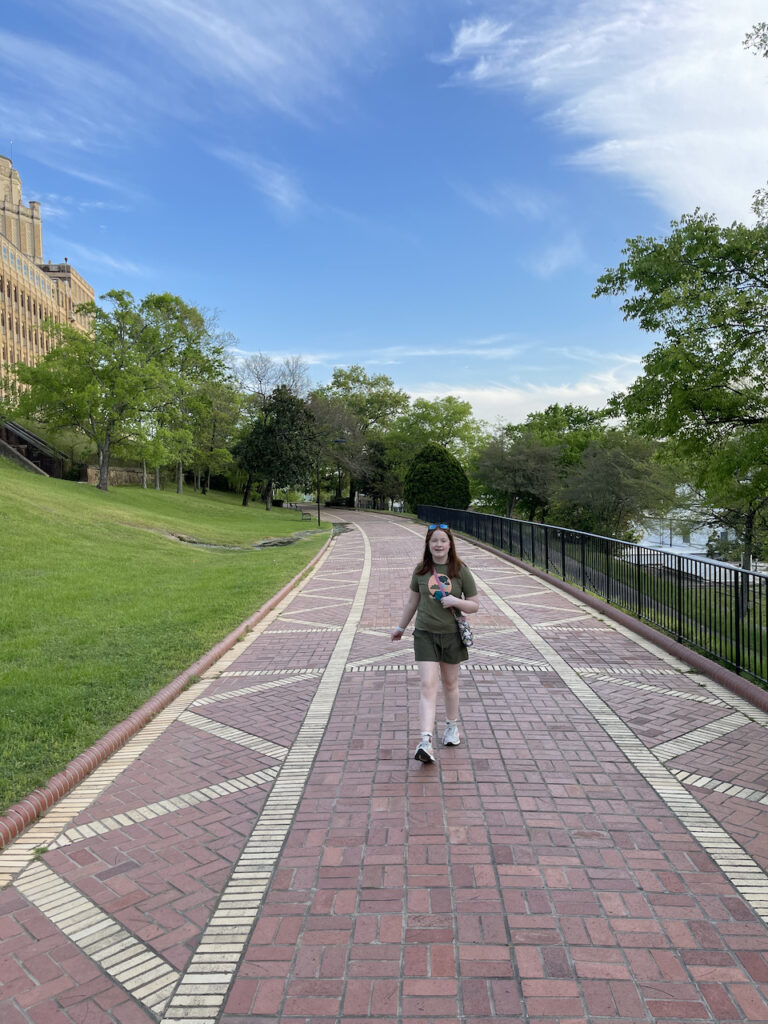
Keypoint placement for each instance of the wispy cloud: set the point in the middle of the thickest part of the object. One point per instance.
(58, 207)
(279, 185)
(672, 101)
(569, 252)
(505, 198)
(283, 55)
(87, 258)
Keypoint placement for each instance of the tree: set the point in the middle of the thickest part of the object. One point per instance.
(194, 362)
(279, 446)
(435, 477)
(372, 402)
(102, 383)
(523, 464)
(704, 386)
(446, 421)
(615, 485)
(517, 468)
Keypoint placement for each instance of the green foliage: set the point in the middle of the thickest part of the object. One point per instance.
(435, 477)
(279, 447)
(614, 486)
(374, 400)
(133, 383)
(704, 386)
(521, 467)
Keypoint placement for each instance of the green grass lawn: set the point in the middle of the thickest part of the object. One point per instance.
(102, 607)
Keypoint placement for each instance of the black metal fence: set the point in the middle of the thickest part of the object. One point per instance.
(714, 608)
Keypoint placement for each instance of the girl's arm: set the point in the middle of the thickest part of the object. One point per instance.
(409, 609)
(466, 605)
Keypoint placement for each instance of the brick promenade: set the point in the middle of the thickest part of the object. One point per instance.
(267, 849)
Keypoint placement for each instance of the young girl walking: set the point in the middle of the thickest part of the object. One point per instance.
(440, 583)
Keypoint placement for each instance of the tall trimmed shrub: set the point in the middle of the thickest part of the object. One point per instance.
(435, 477)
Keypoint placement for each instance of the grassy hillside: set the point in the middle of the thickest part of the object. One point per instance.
(102, 605)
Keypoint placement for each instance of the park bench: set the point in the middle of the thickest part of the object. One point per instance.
(304, 513)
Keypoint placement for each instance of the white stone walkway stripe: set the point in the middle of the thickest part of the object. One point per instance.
(661, 691)
(465, 666)
(623, 670)
(227, 932)
(138, 969)
(233, 735)
(249, 672)
(699, 737)
(332, 602)
(658, 654)
(138, 815)
(721, 786)
(303, 621)
(741, 870)
(308, 629)
(247, 691)
(17, 856)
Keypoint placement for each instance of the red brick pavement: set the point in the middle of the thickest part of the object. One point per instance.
(549, 869)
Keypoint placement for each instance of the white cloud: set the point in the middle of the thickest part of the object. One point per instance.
(275, 182)
(569, 252)
(505, 198)
(512, 404)
(673, 102)
(283, 55)
(84, 256)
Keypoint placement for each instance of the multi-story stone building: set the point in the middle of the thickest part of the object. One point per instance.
(31, 290)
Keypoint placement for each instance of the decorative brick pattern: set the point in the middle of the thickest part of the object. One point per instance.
(267, 849)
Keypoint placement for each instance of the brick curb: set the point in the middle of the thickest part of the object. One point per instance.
(719, 673)
(21, 815)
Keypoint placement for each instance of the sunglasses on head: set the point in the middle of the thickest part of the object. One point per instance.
(438, 526)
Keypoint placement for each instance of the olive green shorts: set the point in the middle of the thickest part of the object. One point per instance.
(445, 647)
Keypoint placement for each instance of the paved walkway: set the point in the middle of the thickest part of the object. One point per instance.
(268, 849)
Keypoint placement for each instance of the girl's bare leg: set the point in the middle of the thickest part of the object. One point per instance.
(450, 677)
(428, 679)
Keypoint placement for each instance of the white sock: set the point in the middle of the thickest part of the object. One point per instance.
(426, 737)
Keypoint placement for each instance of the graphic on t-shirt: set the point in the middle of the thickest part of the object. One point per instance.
(445, 584)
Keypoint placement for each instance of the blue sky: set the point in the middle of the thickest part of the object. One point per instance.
(427, 187)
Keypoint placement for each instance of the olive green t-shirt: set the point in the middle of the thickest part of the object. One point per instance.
(430, 613)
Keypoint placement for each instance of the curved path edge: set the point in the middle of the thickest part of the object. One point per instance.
(21, 815)
(719, 673)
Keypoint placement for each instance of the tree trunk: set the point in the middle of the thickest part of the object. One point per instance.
(157, 478)
(206, 484)
(268, 496)
(179, 478)
(103, 450)
(144, 474)
(247, 491)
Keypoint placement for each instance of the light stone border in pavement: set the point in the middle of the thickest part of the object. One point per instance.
(688, 741)
(233, 735)
(721, 786)
(202, 991)
(141, 972)
(249, 691)
(598, 676)
(139, 815)
(744, 873)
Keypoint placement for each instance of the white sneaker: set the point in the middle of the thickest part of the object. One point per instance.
(451, 735)
(425, 753)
